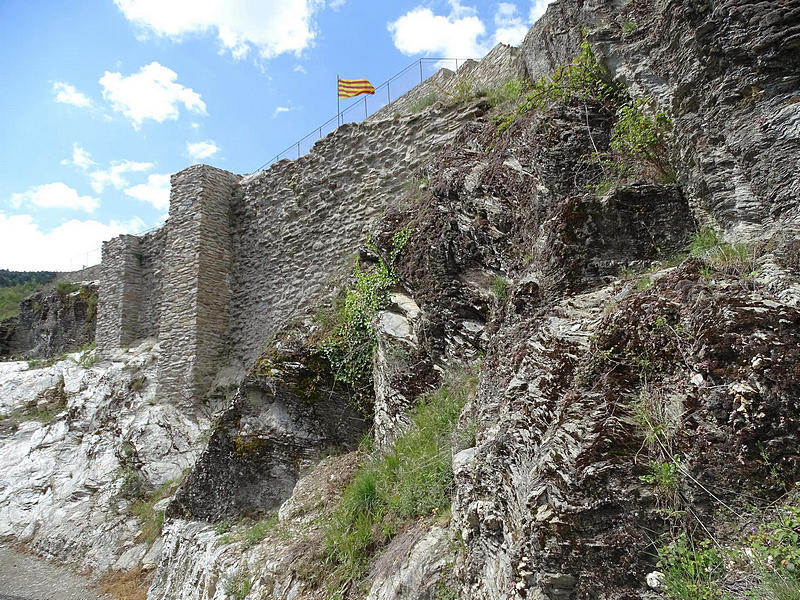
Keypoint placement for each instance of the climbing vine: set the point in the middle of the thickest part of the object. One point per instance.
(351, 345)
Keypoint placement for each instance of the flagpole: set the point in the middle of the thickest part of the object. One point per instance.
(337, 101)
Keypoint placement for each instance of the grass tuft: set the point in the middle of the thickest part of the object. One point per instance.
(413, 479)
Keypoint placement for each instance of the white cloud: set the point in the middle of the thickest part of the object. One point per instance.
(271, 27)
(55, 195)
(80, 158)
(114, 175)
(537, 9)
(336, 4)
(510, 27)
(454, 36)
(300, 69)
(67, 94)
(68, 247)
(280, 109)
(201, 150)
(195, 125)
(155, 191)
(152, 93)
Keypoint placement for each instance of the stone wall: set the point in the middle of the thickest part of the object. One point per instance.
(195, 316)
(131, 272)
(239, 257)
(296, 226)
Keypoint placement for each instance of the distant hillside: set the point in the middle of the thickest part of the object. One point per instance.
(15, 285)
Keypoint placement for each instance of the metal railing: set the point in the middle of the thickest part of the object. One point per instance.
(394, 87)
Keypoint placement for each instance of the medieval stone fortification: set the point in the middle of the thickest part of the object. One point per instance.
(240, 255)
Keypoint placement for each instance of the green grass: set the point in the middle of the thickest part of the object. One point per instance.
(424, 102)
(151, 520)
(257, 532)
(500, 287)
(509, 91)
(56, 403)
(738, 260)
(238, 585)
(413, 479)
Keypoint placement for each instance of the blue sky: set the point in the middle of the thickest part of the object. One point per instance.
(104, 99)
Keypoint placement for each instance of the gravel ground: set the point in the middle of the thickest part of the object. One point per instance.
(25, 577)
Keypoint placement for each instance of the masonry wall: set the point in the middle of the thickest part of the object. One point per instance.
(195, 314)
(129, 307)
(499, 65)
(239, 257)
(295, 227)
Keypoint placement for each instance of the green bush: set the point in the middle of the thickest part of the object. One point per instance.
(66, 287)
(691, 569)
(350, 346)
(628, 27)
(414, 478)
(507, 92)
(639, 134)
(585, 79)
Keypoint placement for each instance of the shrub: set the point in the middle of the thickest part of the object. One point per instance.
(503, 122)
(350, 346)
(663, 475)
(413, 479)
(628, 27)
(66, 287)
(639, 134)
(512, 89)
(691, 569)
(463, 90)
(584, 79)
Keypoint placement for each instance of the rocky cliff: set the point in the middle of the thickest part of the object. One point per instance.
(572, 335)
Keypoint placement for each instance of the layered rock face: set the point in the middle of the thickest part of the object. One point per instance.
(51, 322)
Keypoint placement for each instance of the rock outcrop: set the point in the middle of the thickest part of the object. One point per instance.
(52, 321)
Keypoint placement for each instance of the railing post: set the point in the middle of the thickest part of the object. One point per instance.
(456, 65)
(420, 70)
(298, 149)
(388, 93)
(320, 132)
(365, 107)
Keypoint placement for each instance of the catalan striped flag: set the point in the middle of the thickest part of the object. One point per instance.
(354, 87)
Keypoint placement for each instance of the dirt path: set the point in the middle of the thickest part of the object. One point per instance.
(25, 577)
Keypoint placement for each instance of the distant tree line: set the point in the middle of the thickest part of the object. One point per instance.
(12, 278)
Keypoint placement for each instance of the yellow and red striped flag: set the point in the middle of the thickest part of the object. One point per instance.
(354, 87)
